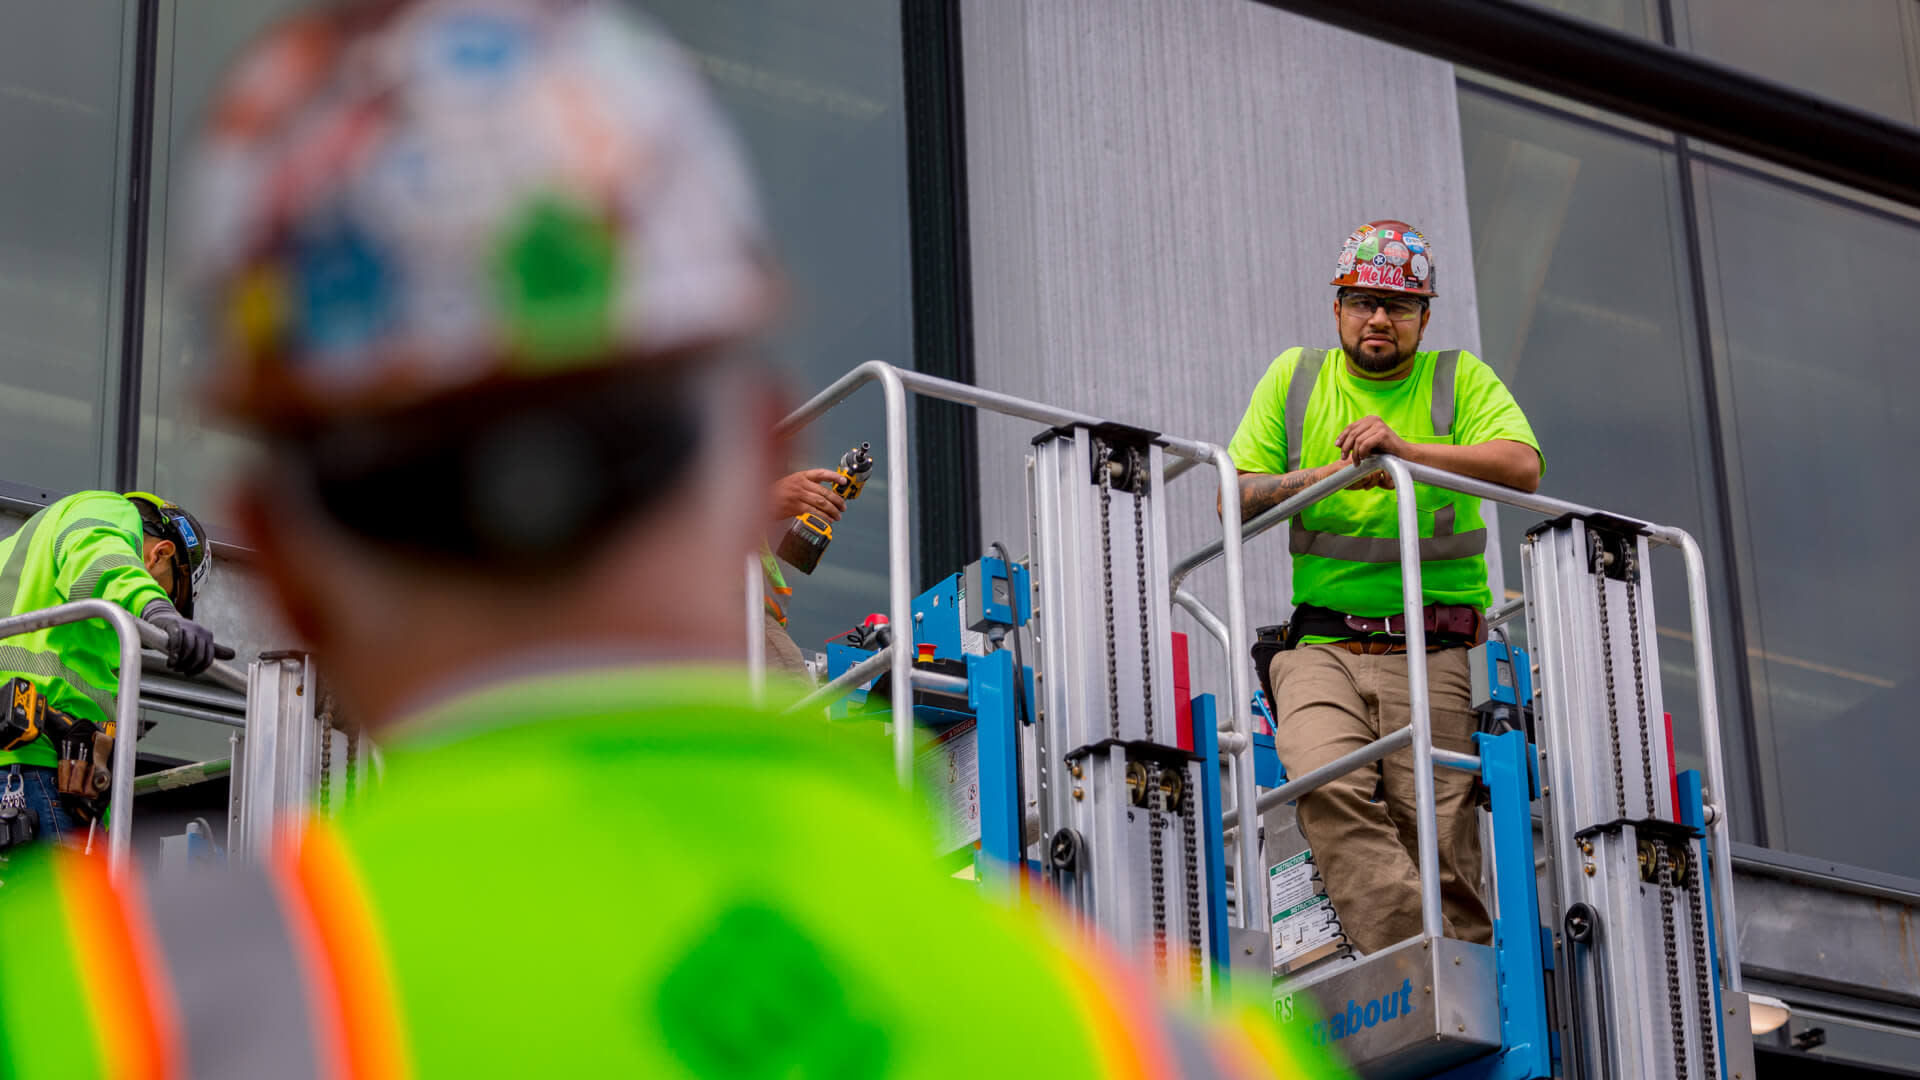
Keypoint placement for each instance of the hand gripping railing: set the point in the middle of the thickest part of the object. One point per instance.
(1419, 732)
(894, 384)
(131, 633)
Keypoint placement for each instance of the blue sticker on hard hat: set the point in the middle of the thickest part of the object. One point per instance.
(187, 534)
(478, 43)
(345, 286)
(1415, 242)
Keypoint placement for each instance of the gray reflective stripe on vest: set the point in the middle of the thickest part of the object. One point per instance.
(1385, 549)
(89, 579)
(14, 659)
(1306, 373)
(16, 562)
(80, 525)
(1445, 367)
(237, 979)
(1192, 1051)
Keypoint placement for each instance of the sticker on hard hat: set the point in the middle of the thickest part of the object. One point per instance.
(1419, 267)
(1380, 277)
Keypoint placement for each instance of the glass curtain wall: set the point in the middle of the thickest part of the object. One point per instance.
(817, 92)
(65, 101)
(1722, 345)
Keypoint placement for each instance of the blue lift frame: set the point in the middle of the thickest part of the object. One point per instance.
(1693, 814)
(1522, 957)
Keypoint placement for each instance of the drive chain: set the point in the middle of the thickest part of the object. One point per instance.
(1640, 689)
(353, 757)
(1104, 459)
(1703, 965)
(326, 765)
(1676, 1013)
(1137, 467)
(1190, 852)
(1613, 711)
(1156, 870)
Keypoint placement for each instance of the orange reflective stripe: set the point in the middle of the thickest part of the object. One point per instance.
(119, 961)
(341, 937)
(1128, 1032)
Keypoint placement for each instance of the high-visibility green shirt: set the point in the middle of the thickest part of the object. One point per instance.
(1340, 560)
(84, 547)
(613, 873)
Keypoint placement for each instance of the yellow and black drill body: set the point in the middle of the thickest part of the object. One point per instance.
(807, 537)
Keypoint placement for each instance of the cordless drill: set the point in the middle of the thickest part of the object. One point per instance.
(806, 539)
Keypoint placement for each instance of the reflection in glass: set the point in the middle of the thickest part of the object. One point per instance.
(1585, 312)
(1854, 51)
(816, 90)
(1625, 15)
(1822, 420)
(61, 92)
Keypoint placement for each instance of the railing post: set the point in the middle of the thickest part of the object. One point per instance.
(1413, 599)
(899, 572)
(126, 741)
(1722, 862)
(756, 633)
(1252, 873)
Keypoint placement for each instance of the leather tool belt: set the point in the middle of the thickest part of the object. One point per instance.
(1446, 625)
(84, 773)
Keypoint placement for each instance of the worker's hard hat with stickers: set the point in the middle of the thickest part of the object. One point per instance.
(396, 202)
(1386, 254)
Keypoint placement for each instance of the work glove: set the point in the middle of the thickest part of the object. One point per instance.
(190, 646)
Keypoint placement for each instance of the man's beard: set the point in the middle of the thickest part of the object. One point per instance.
(1378, 364)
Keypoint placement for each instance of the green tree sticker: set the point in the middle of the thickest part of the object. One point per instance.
(756, 999)
(555, 273)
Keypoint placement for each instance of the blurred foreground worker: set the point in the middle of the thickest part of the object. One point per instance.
(484, 274)
(58, 686)
(1342, 680)
(809, 491)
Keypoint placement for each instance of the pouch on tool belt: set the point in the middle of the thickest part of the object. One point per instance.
(1269, 642)
(85, 774)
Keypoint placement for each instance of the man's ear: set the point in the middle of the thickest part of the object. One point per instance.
(158, 553)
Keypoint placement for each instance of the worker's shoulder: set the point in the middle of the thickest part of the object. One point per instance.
(1467, 365)
(630, 744)
(1281, 370)
(105, 507)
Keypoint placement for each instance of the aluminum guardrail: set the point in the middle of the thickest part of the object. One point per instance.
(1420, 728)
(894, 384)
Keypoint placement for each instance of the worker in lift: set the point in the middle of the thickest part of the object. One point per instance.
(1341, 680)
(484, 278)
(58, 685)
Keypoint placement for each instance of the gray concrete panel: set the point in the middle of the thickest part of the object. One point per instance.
(1158, 189)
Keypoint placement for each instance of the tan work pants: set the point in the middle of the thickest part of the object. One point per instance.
(782, 653)
(1361, 826)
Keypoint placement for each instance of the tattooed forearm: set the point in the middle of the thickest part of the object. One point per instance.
(1260, 491)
